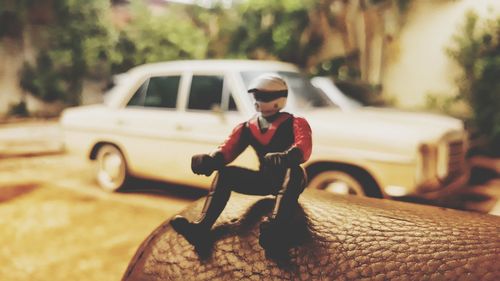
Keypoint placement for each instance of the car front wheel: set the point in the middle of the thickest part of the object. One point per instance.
(111, 168)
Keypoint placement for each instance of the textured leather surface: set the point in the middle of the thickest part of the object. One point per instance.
(337, 238)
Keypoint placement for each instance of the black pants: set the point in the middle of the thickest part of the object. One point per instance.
(251, 182)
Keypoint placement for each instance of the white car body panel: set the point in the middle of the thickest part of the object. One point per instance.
(158, 143)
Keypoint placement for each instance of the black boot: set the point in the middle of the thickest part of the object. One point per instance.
(198, 232)
(195, 233)
(274, 240)
(272, 229)
(275, 230)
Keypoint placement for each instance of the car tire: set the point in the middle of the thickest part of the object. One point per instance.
(344, 182)
(111, 172)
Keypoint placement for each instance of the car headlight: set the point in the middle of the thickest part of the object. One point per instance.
(443, 153)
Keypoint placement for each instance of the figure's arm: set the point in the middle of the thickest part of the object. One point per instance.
(233, 146)
(206, 164)
(303, 141)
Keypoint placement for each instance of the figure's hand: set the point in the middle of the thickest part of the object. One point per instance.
(276, 160)
(203, 164)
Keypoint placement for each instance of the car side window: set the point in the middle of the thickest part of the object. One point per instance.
(206, 92)
(232, 104)
(160, 91)
(139, 95)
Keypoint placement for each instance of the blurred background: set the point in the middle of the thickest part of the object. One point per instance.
(438, 56)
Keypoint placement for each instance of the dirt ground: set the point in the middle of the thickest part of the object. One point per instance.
(56, 224)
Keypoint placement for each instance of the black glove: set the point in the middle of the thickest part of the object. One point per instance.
(276, 160)
(289, 158)
(203, 164)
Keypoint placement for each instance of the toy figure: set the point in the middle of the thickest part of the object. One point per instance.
(281, 141)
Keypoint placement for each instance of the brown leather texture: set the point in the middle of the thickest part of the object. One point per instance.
(335, 238)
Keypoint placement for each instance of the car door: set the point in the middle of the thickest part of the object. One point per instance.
(146, 126)
(211, 112)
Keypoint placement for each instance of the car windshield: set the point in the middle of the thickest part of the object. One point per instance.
(328, 87)
(302, 94)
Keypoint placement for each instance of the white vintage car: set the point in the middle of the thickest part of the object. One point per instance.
(159, 115)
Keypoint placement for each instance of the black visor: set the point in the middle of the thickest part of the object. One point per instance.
(269, 96)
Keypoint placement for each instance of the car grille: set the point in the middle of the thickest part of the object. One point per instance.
(456, 159)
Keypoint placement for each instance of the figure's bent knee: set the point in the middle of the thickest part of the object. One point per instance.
(227, 174)
(227, 170)
(226, 177)
(298, 179)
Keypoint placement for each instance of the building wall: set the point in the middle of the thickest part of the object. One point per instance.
(416, 63)
(11, 62)
(13, 53)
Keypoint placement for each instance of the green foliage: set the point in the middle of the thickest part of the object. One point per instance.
(42, 81)
(403, 5)
(279, 29)
(12, 15)
(346, 73)
(341, 68)
(477, 50)
(18, 109)
(159, 38)
(218, 24)
(10, 25)
(442, 103)
(82, 43)
(79, 44)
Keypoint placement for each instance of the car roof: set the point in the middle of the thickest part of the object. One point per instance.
(209, 65)
(214, 65)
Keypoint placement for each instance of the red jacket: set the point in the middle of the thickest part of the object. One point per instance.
(284, 133)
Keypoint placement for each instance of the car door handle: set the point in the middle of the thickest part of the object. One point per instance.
(180, 127)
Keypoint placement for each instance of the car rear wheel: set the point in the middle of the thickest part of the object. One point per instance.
(111, 168)
(339, 182)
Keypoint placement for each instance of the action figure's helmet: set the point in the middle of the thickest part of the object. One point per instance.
(270, 92)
